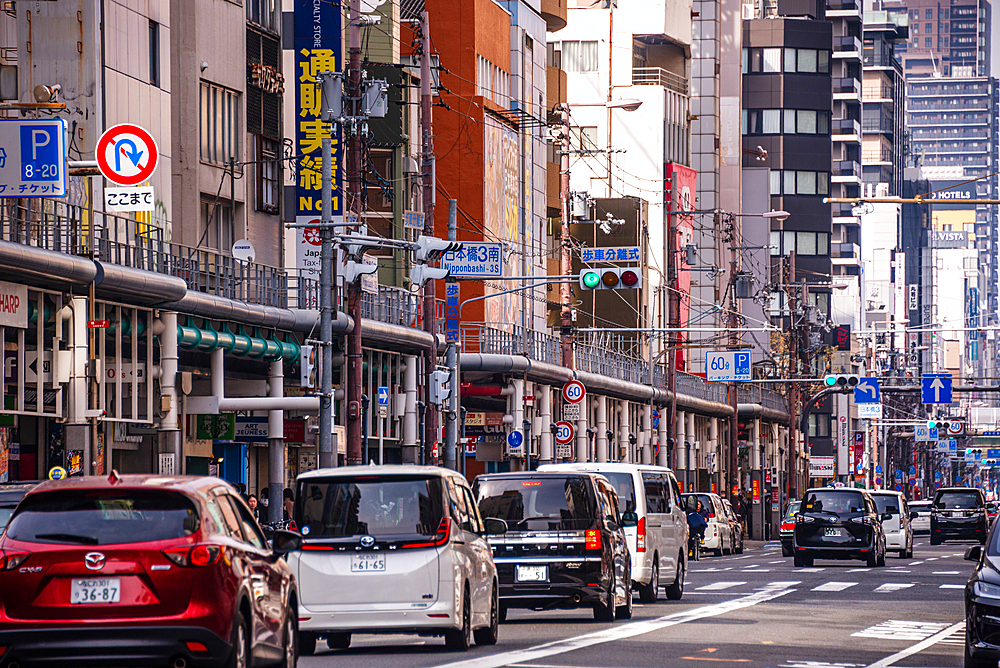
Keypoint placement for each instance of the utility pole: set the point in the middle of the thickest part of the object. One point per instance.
(452, 453)
(427, 172)
(327, 284)
(565, 258)
(354, 363)
(793, 392)
(733, 477)
(673, 322)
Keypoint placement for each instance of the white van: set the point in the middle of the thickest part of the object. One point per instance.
(718, 533)
(658, 542)
(897, 529)
(392, 549)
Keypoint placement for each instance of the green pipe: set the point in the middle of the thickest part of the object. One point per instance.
(191, 337)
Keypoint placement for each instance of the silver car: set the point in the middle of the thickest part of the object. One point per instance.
(922, 522)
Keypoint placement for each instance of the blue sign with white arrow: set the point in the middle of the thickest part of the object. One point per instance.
(383, 395)
(867, 391)
(515, 439)
(993, 453)
(936, 389)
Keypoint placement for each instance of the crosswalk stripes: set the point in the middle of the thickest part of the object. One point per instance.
(719, 586)
(949, 586)
(892, 586)
(834, 586)
(895, 629)
(945, 572)
(957, 637)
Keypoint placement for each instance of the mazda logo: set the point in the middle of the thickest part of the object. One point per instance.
(367, 541)
(94, 561)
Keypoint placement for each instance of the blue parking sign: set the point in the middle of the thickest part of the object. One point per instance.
(32, 158)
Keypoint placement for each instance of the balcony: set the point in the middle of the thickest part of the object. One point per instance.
(846, 129)
(845, 253)
(554, 13)
(880, 125)
(845, 171)
(877, 92)
(841, 210)
(657, 76)
(847, 89)
(844, 9)
(846, 47)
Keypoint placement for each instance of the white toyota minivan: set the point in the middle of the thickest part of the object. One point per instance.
(896, 522)
(392, 549)
(657, 543)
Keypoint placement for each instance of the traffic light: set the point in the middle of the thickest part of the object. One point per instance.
(611, 278)
(842, 380)
(353, 271)
(940, 425)
(421, 273)
(439, 389)
(307, 361)
(432, 248)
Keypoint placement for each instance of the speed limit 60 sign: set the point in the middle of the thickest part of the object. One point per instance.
(573, 392)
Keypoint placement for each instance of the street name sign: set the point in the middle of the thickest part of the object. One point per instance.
(870, 411)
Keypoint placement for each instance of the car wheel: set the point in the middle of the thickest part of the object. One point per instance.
(740, 550)
(503, 613)
(338, 640)
(291, 641)
(490, 634)
(971, 661)
(307, 644)
(459, 640)
(786, 551)
(872, 560)
(605, 612)
(676, 589)
(625, 611)
(240, 641)
(648, 592)
(935, 541)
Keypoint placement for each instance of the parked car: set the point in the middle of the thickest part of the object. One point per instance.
(922, 522)
(162, 570)
(958, 513)
(838, 523)
(558, 541)
(392, 549)
(718, 535)
(11, 495)
(898, 534)
(735, 528)
(657, 542)
(786, 531)
(982, 600)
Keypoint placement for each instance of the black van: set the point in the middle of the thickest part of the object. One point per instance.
(558, 541)
(958, 513)
(838, 523)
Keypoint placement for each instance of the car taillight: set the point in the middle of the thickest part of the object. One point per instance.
(204, 554)
(593, 539)
(440, 538)
(788, 526)
(11, 559)
(640, 539)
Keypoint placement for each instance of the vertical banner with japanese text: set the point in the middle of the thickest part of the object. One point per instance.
(451, 312)
(317, 50)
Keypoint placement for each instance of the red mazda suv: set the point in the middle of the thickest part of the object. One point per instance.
(143, 570)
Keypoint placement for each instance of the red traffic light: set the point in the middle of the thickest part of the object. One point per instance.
(629, 278)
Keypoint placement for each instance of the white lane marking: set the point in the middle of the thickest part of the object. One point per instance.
(756, 570)
(892, 586)
(834, 586)
(781, 584)
(859, 570)
(617, 632)
(931, 559)
(914, 563)
(779, 561)
(919, 647)
(952, 587)
(945, 573)
(719, 586)
(897, 569)
(809, 570)
(896, 629)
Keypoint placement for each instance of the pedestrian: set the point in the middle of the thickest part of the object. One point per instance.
(264, 497)
(254, 510)
(289, 503)
(703, 511)
(242, 490)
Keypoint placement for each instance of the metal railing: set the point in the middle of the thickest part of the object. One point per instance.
(491, 340)
(846, 126)
(657, 76)
(848, 85)
(846, 168)
(755, 394)
(693, 386)
(392, 305)
(847, 43)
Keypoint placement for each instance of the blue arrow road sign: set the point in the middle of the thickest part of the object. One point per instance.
(867, 391)
(878, 469)
(655, 419)
(936, 389)
(514, 439)
(992, 453)
(383, 395)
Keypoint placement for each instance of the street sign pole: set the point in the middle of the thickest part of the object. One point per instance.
(451, 361)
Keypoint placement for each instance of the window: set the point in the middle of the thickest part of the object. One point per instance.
(928, 13)
(787, 121)
(806, 185)
(583, 138)
(251, 532)
(217, 225)
(928, 27)
(220, 113)
(819, 425)
(806, 61)
(265, 85)
(771, 121)
(579, 56)
(791, 182)
(268, 174)
(927, 41)
(772, 60)
(265, 13)
(154, 53)
(803, 243)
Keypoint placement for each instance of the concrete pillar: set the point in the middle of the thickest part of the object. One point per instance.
(546, 454)
(646, 438)
(661, 437)
(692, 437)
(275, 441)
(170, 434)
(582, 441)
(624, 429)
(410, 444)
(682, 452)
(713, 446)
(516, 403)
(601, 442)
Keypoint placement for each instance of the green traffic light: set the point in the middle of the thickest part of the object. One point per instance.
(830, 381)
(591, 279)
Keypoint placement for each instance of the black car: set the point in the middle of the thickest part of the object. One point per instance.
(558, 541)
(838, 523)
(982, 605)
(11, 495)
(958, 513)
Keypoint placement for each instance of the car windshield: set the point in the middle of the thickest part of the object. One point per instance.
(539, 504)
(691, 503)
(793, 509)
(957, 501)
(380, 505)
(5, 513)
(833, 501)
(624, 488)
(886, 503)
(103, 517)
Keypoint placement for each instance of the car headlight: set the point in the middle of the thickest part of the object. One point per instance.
(859, 520)
(985, 589)
(805, 520)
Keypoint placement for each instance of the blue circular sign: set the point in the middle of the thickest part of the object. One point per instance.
(57, 473)
(899, 475)
(514, 439)
(655, 419)
(913, 470)
(878, 469)
(878, 481)
(912, 482)
(937, 475)
(899, 488)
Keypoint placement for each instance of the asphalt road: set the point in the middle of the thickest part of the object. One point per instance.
(752, 610)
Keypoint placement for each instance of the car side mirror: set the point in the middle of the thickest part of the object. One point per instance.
(974, 553)
(467, 526)
(612, 522)
(886, 516)
(630, 519)
(284, 542)
(913, 515)
(495, 526)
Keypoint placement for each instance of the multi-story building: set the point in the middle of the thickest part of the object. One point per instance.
(883, 104)
(946, 39)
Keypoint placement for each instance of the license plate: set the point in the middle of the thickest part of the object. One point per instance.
(833, 532)
(100, 590)
(367, 563)
(532, 573)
